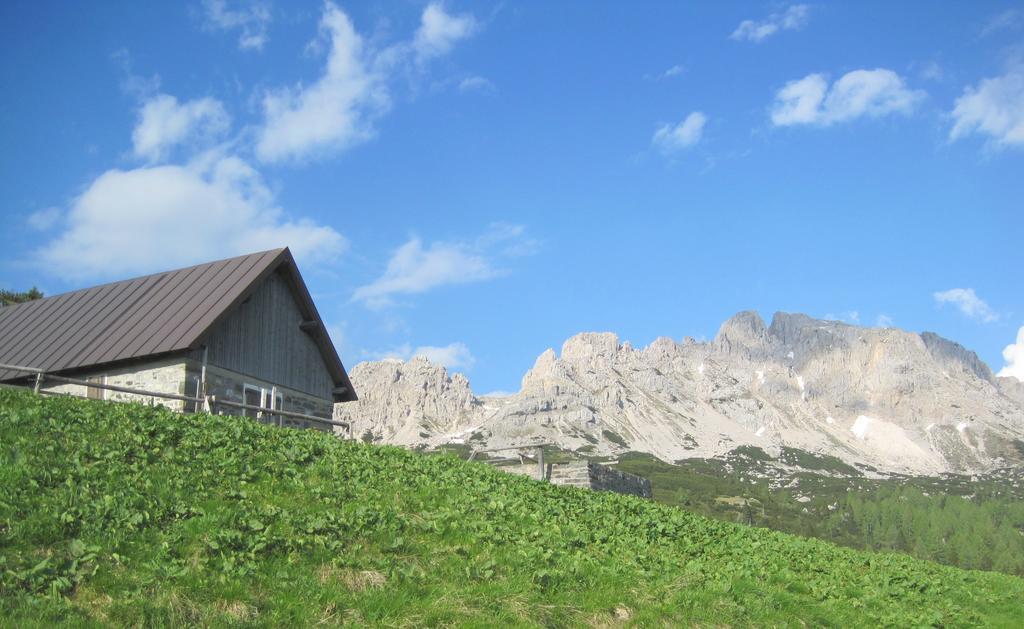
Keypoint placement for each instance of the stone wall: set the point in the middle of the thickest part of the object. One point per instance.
(604, 478)
(586, 474)
(181, 377)
(161, 377)
(576, 474)
(526, 469)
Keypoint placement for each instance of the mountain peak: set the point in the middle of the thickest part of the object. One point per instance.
(745, 331)
(585, 346)
(662, 345)
(746, 323)
(787, 325)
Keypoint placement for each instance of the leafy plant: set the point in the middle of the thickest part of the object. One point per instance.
(125, 514)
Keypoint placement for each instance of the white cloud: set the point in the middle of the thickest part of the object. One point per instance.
(931, 71)
(671, 72)
(138, 86)
(452, 356)
(160, 217)
(333, 113)
(799, 102)
(1014, 356)
(164, 123)
(967, 302)
(872, 93)
(252, 21)
(851, 316)
(683, 135)
(415, 268)
(1011, 19)
(792, 19)
(475, 84)
(439, 31)
(675, 70)
(883, 321)
(506, 240)
(44, 219)
(339, 109)
(338, 333)
(994, 108)
(868, 93)
(498, 393)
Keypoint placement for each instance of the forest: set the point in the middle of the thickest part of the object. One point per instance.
(967, 521)
(10, 297)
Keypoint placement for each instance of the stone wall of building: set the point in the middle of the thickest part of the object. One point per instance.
(605, 478)
(576, 473)
(181, 377)
(161, 377)
(586, 474)
(526, 469)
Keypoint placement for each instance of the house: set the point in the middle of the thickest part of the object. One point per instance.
(243, 329)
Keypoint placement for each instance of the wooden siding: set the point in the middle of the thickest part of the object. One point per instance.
(262, 339)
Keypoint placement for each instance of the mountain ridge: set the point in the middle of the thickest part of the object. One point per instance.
(883, 399)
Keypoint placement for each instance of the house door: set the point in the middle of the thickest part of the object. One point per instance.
(94, 393)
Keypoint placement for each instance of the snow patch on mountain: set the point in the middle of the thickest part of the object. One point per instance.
(861, 427)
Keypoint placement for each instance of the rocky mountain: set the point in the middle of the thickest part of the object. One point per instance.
(408, 402)
(879, 398)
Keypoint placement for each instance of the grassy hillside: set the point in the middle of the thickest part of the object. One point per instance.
(124, 514)
(972, 521)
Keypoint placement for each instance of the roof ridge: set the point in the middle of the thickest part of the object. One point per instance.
(275, 251)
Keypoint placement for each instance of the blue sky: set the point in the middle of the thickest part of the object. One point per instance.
(478, 182)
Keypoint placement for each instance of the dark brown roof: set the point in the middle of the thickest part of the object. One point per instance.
(146, 316)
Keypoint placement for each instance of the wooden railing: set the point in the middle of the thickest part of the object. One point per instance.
(210, 402)
(216, 402)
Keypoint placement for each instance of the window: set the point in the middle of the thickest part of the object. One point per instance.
(274, 402)
(261, 397)
(253, 396)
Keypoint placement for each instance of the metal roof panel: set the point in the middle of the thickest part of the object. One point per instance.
(151, 315)
(119, 320)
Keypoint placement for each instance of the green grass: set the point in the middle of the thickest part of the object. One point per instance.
(614, 438)
(116, 514)
(970, 521)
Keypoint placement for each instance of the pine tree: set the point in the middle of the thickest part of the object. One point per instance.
(9, 297)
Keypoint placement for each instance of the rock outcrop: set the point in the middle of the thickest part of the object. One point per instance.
(407, 402)
(880, 398)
